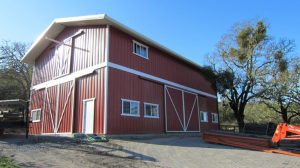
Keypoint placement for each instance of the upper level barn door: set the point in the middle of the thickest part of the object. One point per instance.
(181, 110)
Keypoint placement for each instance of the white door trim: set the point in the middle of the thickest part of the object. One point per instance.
(84, 113)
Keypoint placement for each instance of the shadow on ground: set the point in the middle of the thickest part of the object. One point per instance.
(104, 154)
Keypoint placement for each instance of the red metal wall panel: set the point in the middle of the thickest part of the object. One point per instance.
(191, 112)
(36, 103)
(181, 110)
(132, 87)
(208, 105)
(159, 64)
(88, 50)
(60, 117)
(163, 65)
(65, 107)
(49, 112)
(174, 107)
(91, 86)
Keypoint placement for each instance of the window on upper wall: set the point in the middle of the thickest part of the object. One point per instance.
(36, 115)
(130, 108)
(203, 116)
(214, 118)
(151, 110)
(140, 49)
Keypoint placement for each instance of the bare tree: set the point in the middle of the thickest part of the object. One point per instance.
(12, 71)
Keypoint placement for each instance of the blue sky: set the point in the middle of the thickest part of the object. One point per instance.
(191, 28)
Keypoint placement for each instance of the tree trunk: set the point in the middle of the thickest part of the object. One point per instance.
(284, 115)
(285, 118)
(240, 119)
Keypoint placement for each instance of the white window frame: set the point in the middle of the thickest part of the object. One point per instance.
(205, 116)
(35, 110)
(131, 101)
(151, 104)
(214, 115)
(141, 45)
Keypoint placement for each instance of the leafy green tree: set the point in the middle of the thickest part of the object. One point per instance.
(282, 85)
(240, 62)
(15, 76)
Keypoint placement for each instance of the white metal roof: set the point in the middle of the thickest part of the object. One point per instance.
(58, 25)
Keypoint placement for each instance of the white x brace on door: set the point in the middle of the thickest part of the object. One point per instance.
(181, 110)
(57, 113)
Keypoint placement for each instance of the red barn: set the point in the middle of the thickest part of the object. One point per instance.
(93, 74)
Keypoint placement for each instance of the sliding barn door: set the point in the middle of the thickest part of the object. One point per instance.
(58, 113)
(181, 110)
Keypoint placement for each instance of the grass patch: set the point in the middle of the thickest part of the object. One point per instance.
(6, 162)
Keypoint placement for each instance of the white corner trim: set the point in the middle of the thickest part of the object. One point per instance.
(167, 82)
(107, 41)
(69, 77)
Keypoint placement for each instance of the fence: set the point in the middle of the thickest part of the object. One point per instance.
(251, 128)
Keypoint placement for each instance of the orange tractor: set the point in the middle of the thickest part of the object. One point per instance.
(286, 131)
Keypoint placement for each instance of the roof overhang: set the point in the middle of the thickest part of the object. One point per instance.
(58, 25)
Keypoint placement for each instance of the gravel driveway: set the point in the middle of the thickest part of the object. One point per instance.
(193, 152)
(151, 152)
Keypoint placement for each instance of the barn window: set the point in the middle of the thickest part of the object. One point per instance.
(130, 108)
(151, 110)
(204, 117)
(214, 118)
(140, 49)
(36, 115)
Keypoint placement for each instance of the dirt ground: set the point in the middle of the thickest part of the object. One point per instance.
(67, 153)
(175, 151)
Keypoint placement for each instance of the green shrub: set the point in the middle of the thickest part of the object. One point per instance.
(6, 162)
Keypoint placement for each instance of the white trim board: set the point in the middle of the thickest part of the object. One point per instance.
(119, 67)
(105, 121)
(59, 133)
(182, 131)
(69, 77)
(167, 82)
